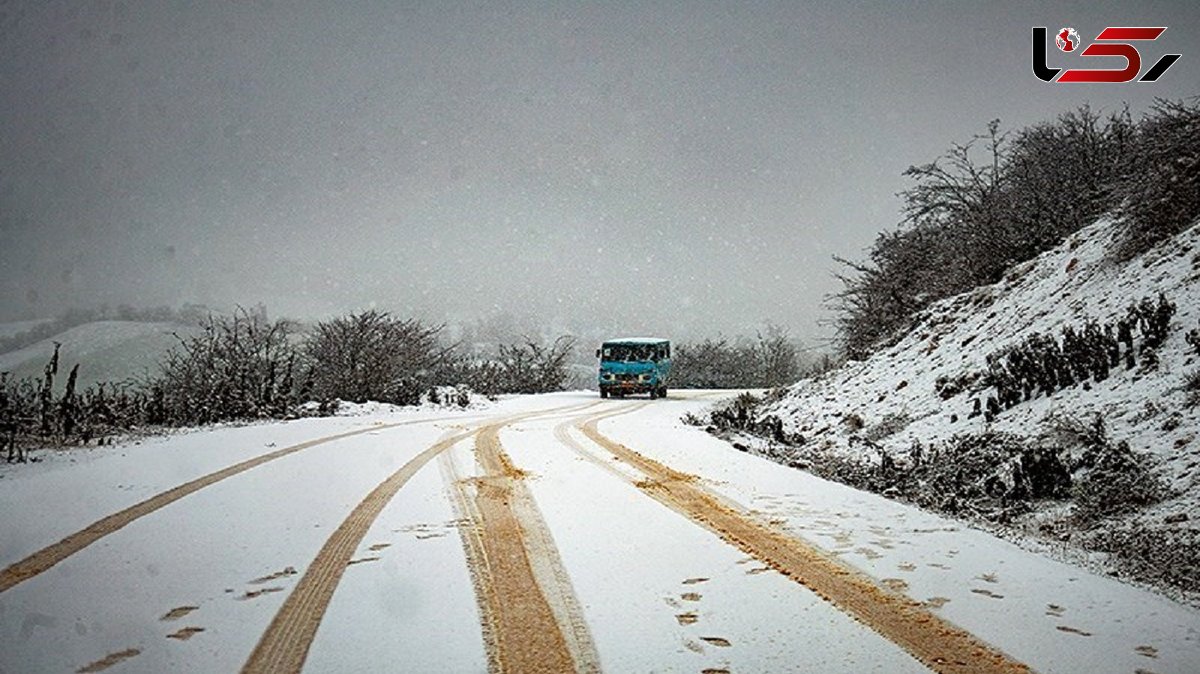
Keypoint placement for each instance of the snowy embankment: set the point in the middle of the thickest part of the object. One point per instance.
(900, 396)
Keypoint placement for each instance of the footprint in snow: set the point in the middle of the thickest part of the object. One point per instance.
(108, 661)
(718, 641)
(178, 612)
(868, 553)
(253, 594)
(288, 571)
(185, 633)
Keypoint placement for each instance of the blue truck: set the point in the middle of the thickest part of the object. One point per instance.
(634, 365)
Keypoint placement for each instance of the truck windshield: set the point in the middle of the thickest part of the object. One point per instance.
(629, 352)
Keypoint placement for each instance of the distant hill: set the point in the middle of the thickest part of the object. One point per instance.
(17, 327)
(106, 351)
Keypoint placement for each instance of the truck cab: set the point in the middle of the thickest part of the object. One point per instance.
(634, 365)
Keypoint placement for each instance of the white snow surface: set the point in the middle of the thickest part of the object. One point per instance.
(626, 555)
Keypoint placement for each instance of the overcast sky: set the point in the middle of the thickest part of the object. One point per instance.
(682, 168)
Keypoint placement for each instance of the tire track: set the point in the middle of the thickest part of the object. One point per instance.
(932, 640)
(532, 621)
(47, 557)
(284, 646)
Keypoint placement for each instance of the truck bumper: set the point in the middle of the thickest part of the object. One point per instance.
(628, 386)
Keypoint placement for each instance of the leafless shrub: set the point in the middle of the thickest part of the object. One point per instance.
(240, 366)
(529, 366)
(769, 360)
(372, 355)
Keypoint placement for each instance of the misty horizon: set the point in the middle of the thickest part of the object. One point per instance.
(672, 169)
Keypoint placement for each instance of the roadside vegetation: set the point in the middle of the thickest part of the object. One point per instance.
(769, 359)
(245, 366)
(971, 217)
(1004, 197)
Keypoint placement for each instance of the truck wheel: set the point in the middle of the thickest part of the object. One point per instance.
(653, 394)
(603, 393)
(662, 392)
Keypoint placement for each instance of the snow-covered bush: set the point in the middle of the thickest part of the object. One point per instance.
(1115, 481)
(990, 474)
(1043, 365)
(240, 366)
(1153, 551)
(1110, 479)
(372, 355)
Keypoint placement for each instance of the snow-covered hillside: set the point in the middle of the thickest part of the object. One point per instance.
(900, 395)
(106, 351)
(1065, 286)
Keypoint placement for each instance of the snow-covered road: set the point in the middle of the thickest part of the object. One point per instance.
(546, 533)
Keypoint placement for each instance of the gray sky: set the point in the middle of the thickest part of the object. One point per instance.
(683, 168)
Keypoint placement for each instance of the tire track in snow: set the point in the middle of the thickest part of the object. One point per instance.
(47, 557)
(284, 646)
(932, 640)
(532, 621)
